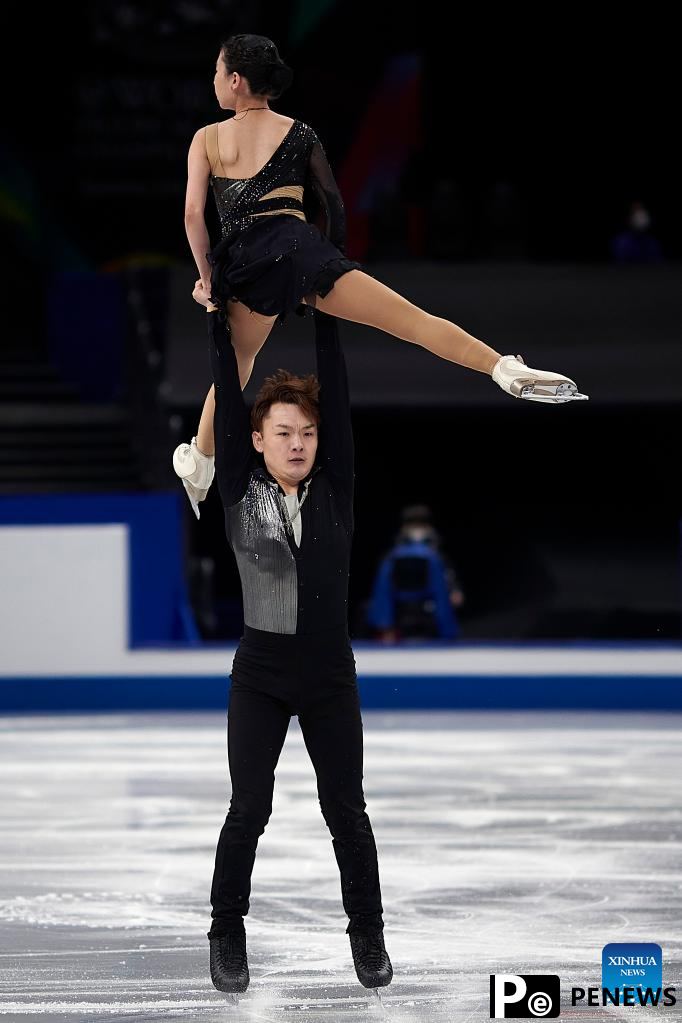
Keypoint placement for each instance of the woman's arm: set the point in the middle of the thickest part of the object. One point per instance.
(322, 182)
(198, 170)
(199, 243)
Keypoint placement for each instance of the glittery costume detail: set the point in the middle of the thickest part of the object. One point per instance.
(270, 257)
(260, 533)
(298, 162)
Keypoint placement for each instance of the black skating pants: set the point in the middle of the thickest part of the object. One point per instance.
(275, 676)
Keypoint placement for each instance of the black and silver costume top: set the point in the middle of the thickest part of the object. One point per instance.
(287, 587)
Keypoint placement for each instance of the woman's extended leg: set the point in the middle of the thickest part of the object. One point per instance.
(250, 331)
(358, 296)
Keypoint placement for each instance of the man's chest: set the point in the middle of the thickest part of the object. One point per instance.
(308, 524)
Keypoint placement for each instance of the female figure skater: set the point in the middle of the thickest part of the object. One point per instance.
(271, 261)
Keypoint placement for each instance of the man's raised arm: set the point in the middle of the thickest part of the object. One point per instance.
(335, 450)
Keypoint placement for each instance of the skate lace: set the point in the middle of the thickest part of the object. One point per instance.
(231, 951)
(369, 951)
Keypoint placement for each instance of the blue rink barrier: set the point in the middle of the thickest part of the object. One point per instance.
(94, 615)
(427, 692)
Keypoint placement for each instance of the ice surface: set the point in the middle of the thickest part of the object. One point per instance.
(508, 842)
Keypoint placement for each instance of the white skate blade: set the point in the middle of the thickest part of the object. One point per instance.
(556, 399)
(558, 390)
(192, 500)
(521, 381)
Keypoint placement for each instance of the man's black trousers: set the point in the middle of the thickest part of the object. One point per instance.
(275, 676)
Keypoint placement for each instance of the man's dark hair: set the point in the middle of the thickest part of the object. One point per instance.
(291, 390)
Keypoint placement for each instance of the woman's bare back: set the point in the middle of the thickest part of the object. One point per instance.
(243, 149)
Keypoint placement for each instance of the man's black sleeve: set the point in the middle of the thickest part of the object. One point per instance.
(335, 444)
(234, 453)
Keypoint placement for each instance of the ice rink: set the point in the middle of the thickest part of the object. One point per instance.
(509, 842)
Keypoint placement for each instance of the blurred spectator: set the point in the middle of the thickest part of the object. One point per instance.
(416, 587)
(636, 244)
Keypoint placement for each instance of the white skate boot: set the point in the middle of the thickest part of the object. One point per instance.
(196, 470)
(519, 380)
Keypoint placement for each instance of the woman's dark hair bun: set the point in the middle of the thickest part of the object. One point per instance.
(257, 59)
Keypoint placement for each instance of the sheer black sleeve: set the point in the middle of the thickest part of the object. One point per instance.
(335, 445)
(323, 184)
(234, 452)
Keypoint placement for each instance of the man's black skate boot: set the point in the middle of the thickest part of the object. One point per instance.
(229, 965)
(370, 958)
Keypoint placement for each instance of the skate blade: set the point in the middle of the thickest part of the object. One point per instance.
(192, 499)
(547, 390)
(377, 1000)
(558, 400)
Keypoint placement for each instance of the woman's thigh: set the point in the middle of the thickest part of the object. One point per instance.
(359, 297)
(249, 329)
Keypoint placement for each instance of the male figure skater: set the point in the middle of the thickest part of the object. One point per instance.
(289, 522)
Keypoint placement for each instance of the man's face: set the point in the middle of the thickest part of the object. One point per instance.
(288, 441)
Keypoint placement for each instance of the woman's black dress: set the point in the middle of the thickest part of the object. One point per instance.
(271, 262)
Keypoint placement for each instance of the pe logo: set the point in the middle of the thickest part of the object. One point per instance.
(632, 964)
(524, 996)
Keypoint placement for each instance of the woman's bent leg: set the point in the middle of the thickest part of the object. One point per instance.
(359, 297)
(256, 728)
(250, 331)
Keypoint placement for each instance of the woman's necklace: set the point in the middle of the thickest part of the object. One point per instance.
(246, 110)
